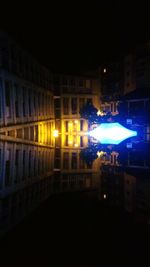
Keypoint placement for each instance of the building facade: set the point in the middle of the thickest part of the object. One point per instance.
(26, 97)
(71, 94)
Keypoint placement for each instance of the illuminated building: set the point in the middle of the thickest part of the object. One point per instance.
(71, 94)
(26, 98)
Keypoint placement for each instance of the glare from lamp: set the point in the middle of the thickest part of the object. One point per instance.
(55, 133)
(76, 145)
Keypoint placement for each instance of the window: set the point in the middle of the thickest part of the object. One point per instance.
(16, 100)
(81, 83)
(74, 161)
(7, 173)
(81, 125)
(66, 126)
(81, 103)
(66, 140)
(81, 141)
(111, 107)
(24, 97)
(7, 93)
(65, 160)
(64, 81)
(29, 99)
(74, 105)
(72, 82)
(17, 157)
(66, 105)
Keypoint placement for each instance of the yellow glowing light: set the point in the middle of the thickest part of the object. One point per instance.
(70, 142)
(55, 133)
(100, 113)
(100, 153)
(76, 145)
(75, 121)
(104, 196)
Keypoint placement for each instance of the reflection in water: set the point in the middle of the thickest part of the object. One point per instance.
(25, 180)
(30, 174)
(124, 175)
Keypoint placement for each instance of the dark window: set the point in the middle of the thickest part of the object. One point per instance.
(57, 103)
(7, 93)
(72, 82)
(66, 140)
(81, 141)
(29, 99)
(74, 161)
(81, 125)
(16, 100)
(81, 83)
(66, 160)
(64, 81)
(17, 157)
(74, 105)
(23, 104)
(66, 126)
(7, 173)
(81, 103)
(66, 105)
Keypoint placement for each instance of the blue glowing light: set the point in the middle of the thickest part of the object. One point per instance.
(111, 133)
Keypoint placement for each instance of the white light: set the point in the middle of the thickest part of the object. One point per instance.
(111, 133)
(100, 113)
(76, 145)
(55, 133)
(100, 153)
(104, 196)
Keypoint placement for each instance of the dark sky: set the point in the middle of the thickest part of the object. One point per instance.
(70, 36)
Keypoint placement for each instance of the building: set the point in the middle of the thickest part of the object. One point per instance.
(71, 94)
(111, 80)
(137, 69)
(26, 97)
(26, 178)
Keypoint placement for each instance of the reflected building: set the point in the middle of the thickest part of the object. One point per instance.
(125, 184)
(73, 172)
(30, 174)
(26, 176)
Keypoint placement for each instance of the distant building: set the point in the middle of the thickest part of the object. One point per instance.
(111, 77)
(137, 69)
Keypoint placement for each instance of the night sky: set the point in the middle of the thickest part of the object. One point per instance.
(71, 37)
